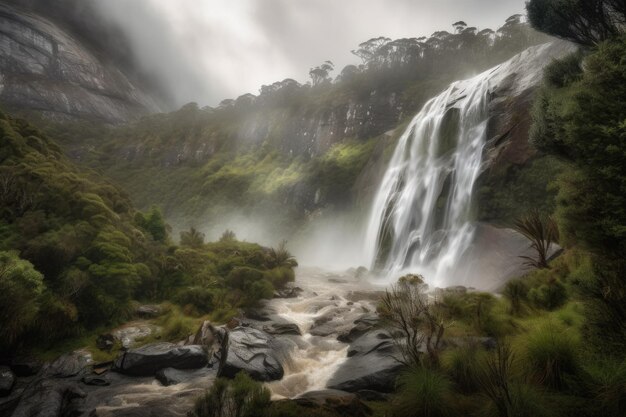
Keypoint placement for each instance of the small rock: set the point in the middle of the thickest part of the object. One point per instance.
(7, 380)
(149, 311)
(282, 329)
(232, 323)
(96, 380)
(289, 292)
(105, 342)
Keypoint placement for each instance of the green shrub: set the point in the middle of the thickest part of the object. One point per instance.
(200, 298)
(607, 384)
(461, 365)
(21, 287)
(552, 356)
(549, 296)
(240, 397)
(279, 277)
(422, 393)
(516, 291)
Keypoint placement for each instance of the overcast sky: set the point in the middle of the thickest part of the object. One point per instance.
(208, 50)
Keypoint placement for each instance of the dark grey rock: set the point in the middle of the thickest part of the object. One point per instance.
(68, 365)
(7, 380)
(282, 329)
(371, 365)
(369, 395)
(171, 376)
(50, 398)
(254, 352)
(340, 402)
(354, 333)
(332, 322)
(147, 360)
(96, 380)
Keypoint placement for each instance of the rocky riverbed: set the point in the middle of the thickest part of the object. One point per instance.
(321, 333)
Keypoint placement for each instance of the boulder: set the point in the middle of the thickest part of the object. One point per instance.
(282, 328)
(362, 325)
(148, 311)
(171, 376)
(341, 402)
(68, 365)
(253, 351)
(332, 322)
(50, 398)
(371, 365)
(132, 332)
(147, 360)
(7, 380)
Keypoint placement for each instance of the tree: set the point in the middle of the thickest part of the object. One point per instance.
(320, 74)
(414, 322)
(154, 223)
(579, 117)
(542, 232)
(192, 238)
(368, 50)
(21, 287)
(586, 22)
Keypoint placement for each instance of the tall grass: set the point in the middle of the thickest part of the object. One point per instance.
(552, 356)
(422, 392)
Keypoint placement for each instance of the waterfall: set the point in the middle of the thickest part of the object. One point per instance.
(420, 220)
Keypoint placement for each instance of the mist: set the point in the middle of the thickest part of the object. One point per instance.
(208, 50)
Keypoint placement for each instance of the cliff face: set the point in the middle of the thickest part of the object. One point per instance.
(44, 68)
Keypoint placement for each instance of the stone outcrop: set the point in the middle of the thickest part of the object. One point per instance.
(149, 359)
(254, 352)
(43, 68)
(370, 365)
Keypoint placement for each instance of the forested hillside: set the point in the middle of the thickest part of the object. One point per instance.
(294, 148)
(75, 253)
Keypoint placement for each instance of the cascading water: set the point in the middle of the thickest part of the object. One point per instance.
(420, 221)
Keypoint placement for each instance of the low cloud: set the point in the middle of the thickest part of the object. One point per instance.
(208, 50)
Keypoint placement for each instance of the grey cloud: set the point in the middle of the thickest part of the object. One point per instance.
(207, 50)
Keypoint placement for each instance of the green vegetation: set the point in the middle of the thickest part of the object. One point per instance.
(579, 117)
(307, 145)
(74, 254)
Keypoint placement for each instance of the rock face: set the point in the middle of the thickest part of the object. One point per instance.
(45, 69)
(254, 352)
(371, 365)
(149, 359)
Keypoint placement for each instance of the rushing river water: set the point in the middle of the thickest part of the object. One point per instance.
(328, 306)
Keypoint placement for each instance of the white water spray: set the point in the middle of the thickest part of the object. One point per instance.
(421, 217)
(420, 220)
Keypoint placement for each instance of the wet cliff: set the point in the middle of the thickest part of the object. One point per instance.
(45, 68)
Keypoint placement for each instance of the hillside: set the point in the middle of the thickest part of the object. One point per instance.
(298, 149)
